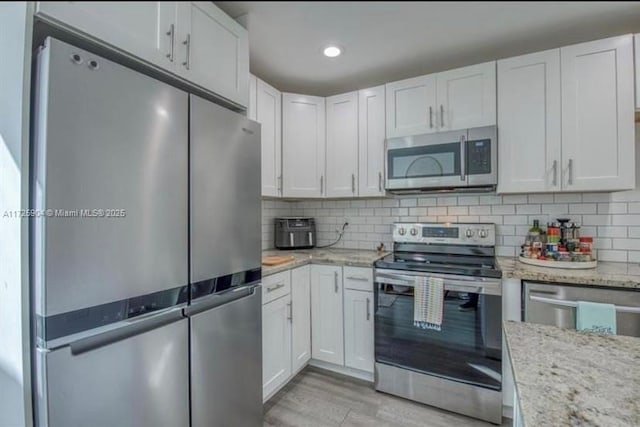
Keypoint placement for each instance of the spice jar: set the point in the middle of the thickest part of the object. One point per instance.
(586, 245)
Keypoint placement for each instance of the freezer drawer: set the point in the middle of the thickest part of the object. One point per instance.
(556, 305)
(226, 361)
(139, 381)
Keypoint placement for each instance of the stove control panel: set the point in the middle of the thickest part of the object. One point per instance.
(483, 234)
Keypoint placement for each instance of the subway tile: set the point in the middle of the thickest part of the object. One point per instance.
(512, 240)
(567, 198)
(494, 219)
(626, 244)
(528, 209)
(600, 243)
(358, 204)
(468, 218)
(514, 199)
(427, 218)
(437, 211)
(490, 200)
(408, 203)
(514, 219)
(382, 212)
(503, 209)
(540, 198)
(447, 218)
(598, 219)
(390, 203)
(400, 211)
(634, 207)
(431, 201)
(634, 256)
(612, 208)
(468, 200)
(596, 197)
(609, 255)
(626, 196)
(590, 230)
(506, 230)
(374, 203)
(366, 211)
(408, 219)
(634, 232)
(479, 210)
(447, 201)
(556, 208)
(609, 231)
(457, 210)
(626, 219)
(583, 208)
(508, 251)
(384, 229)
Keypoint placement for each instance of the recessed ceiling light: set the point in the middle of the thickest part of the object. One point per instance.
(332, 51)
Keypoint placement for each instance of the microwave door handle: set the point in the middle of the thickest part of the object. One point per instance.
(574, 304)
(463, 159)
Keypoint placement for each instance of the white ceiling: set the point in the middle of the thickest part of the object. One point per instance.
(387, 41)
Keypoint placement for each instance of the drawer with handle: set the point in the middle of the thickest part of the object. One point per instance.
(358, 278)
(276, 286)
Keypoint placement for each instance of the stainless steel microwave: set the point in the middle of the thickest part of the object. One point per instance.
(456, 160)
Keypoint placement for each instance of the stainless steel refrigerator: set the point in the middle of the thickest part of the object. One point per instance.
(118, 341)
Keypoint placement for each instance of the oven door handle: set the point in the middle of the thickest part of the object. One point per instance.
(451, 283)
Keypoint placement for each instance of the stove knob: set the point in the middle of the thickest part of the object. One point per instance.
(413, 231)
(469, 233)
(483, 233)
(401, 231)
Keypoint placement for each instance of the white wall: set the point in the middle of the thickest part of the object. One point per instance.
(15, 71)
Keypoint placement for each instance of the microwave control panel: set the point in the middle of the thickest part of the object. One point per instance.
(479, 157)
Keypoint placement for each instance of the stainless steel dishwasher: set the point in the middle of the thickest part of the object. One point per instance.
(556, 305)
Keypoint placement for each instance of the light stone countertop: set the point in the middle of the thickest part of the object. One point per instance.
(349, 257)
(569, 378)
(613, 274)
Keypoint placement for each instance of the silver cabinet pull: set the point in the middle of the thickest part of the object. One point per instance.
(555, 173)
(321, 184)
(187, 43)
(335, 281)
(368, 309)
(353, 183)
(280, 185)
(441, 115)
(380, 182)
(291, 239)
(275, 288)
(463, 159)
(290, 316)
(430, 116)
(310, 239)
(358, 278)
(570, 172)
(171, 33)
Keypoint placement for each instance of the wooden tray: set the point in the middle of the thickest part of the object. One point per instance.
(276, 260)
(568, 265)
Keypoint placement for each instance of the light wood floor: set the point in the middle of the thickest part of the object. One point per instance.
(319, 398)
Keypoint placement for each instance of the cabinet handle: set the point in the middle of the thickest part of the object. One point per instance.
(335, 281)
(290, 316)
(280, 185)
(380, 182)
(368, 310)
(463, 159)
(555, 173)
(187, 43)
(275, 288)
(321, 184)
(570, 172)
(441, 115)
(430, 116)
(353, 183)
(171, 33)
(358, 278)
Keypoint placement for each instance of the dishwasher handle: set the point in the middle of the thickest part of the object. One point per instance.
(574, 304)
(128, 329)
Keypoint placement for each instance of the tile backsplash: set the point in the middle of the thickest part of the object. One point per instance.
(613, 219)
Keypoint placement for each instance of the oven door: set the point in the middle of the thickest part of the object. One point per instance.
(426, 161)
(468, 349)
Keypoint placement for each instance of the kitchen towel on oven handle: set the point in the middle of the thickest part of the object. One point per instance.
(428, 302)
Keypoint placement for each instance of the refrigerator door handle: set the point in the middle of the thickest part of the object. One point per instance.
(129, 329)
(216, 300)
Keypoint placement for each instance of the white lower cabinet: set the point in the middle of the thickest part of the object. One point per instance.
(276, 344)
(327, 332)
(358, 330)
(301, 317)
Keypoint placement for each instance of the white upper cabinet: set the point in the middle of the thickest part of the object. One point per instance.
(411, 106)
(342, 145)
(637, 47)
(194, 40)
(253, 96)
(303, 145)
(467, 97)
(327, 331)
(371, 135)
(598, 139)
(269, 115)
(529, 123)
(358, 330)
(301, 317)
(143, 29)
(213, 50)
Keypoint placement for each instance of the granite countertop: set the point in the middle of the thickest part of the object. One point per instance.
(568, 378)
(613, 274)
(350, 257)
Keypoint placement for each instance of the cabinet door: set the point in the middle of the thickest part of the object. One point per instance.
(637, 56)
(143, 29)
(411, 106)
(358, 330)
(529, 132)
(371, 135)
(276, 344)
(269, 115)
(467, 97)
(342, 145)
(301, 317)
(598, 134)
(212, 51)
(253, 95)
(326, 314)
(303, 145)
